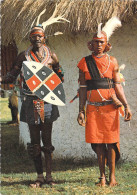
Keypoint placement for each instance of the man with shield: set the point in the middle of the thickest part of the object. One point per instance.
(39, 115)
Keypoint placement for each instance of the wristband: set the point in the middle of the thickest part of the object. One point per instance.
(125, 106)
(82, 111)
(83, 85)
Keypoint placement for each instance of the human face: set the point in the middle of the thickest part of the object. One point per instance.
(99, 46)
(37, 38)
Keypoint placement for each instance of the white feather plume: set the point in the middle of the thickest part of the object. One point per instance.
(111, 26)
(99, 31)
(122, 67)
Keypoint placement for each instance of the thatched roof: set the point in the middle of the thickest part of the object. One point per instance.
(84, 15)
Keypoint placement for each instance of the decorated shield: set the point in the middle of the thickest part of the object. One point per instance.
(44, 83)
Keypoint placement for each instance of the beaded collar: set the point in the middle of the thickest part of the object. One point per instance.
(30, 56)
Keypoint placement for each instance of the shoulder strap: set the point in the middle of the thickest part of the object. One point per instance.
(92, 67)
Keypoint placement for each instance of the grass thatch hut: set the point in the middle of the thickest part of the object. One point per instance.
(17, 17)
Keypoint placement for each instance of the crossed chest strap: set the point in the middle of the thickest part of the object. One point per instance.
(97, 82)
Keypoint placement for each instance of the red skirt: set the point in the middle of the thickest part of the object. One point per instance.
(102, 124)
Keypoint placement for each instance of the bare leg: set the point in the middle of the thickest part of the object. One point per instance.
(100, 150)
(35, 143)
(111, 162)
(48, 149)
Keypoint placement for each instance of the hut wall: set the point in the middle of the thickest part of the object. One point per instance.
(68, 136)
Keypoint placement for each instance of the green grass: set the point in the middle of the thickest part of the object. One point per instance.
(72, 177)
(5, 113)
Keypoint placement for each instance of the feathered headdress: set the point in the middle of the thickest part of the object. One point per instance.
(111, 26)
(99, 30)
(51, 20)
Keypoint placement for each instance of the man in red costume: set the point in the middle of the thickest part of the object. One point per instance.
(101, 89)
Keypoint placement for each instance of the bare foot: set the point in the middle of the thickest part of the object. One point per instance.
(102, 182)
(113, 182)
(36, 184)
(50, 181)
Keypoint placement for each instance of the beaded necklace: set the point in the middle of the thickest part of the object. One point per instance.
(30, 56)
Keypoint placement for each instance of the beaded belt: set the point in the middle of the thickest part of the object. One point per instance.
(100, 103)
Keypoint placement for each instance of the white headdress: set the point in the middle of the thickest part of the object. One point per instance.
(99, 30)
(51, 20)
(112, 24)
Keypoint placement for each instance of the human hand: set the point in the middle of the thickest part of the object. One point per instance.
(128, 114)
(81, 119)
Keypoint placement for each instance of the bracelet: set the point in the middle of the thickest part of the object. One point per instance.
(102, 177)
(83, 85)
(125, 106)
(82, 111)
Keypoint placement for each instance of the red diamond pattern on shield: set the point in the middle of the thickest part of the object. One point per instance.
(33, 82)
(44, 83)
(53, 82)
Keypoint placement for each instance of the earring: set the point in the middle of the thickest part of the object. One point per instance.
(90, 45)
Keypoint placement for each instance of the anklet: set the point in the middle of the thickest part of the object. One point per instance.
(102, 177)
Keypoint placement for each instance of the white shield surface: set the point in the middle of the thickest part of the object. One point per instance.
(44, 83)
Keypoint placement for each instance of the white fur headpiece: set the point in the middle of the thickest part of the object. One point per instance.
(111, 26)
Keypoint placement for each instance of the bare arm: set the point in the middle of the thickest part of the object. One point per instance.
(54, 62)
(82, 98)
(57, 68)
(120, 91)
(12, 75)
